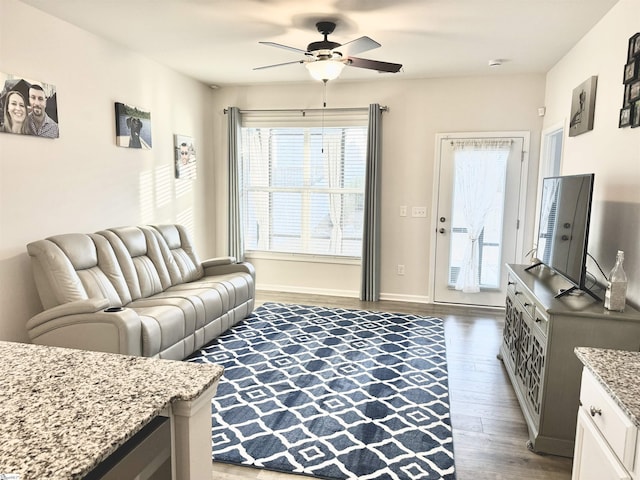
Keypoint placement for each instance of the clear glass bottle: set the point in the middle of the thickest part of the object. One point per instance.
(616, 294)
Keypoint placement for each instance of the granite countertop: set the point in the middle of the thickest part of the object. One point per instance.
(618, 371)
(63, 411)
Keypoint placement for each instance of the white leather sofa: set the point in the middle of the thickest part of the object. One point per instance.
(136, 291)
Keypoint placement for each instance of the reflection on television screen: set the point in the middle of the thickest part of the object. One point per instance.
(563, 235)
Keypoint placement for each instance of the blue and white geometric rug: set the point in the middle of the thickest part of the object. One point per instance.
(333, 393)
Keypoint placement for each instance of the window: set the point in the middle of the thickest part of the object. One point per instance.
(303, 187)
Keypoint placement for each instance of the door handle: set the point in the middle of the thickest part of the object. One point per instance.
(442, 230)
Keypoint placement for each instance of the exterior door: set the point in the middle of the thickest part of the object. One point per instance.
(481, 182)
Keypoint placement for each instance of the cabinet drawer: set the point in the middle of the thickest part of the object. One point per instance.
(541, 321)
(522, 297)
(615, 426)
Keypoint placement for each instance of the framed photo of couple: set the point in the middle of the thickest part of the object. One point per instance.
(29, 107)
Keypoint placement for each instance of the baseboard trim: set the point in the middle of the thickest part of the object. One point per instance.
(308, 290)
(395, 297)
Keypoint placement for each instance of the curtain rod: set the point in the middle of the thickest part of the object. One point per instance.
(303, 110)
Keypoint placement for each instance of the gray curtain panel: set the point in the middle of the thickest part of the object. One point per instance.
(234, 228)
(370, 286)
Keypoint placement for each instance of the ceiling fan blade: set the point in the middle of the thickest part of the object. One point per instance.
(286, 47)
(359, 45)
(374, 65)
(279, 64)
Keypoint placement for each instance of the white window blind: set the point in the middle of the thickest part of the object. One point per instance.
(303, 180)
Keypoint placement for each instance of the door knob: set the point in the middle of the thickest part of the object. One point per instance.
(442, 230)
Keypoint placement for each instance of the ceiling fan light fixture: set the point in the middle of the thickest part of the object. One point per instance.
(325, 70)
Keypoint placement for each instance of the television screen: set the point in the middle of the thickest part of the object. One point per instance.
(563, 233)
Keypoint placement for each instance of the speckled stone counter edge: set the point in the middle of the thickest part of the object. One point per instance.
(63, 411)
(618, 371)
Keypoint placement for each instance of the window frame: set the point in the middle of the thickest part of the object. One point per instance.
(306, 125)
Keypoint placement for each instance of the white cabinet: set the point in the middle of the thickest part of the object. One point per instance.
(594, 460)
(605, 447)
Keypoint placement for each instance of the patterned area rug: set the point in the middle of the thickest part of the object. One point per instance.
(333, 393)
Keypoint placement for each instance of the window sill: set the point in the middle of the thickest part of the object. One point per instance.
(302, 257)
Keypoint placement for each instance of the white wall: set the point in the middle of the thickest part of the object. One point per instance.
(83, 182)
(612, 153)
(418, 110)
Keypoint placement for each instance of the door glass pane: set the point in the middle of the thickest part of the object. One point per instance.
(489, 242)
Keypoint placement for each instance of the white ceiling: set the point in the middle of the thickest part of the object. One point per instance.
(216, 41)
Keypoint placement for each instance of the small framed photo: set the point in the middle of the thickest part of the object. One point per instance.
(133, 127)
(634, 91)
(635, 115)
(185, 157)
(634, 46)
(627, 91)
(625, 117)
(631, 71)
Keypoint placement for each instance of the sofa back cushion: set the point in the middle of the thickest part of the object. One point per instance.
(180, 255)
(74, 267)
(140, 259)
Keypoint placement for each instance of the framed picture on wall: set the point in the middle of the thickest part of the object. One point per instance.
(625, 117)
(29, 107)
(133, 127)
(625, 101)
(634, 91)
(631, 71)
(635, 115)
(185, 155)
(583, 104)
(634, 46)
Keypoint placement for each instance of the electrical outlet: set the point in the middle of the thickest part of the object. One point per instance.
(400, 269)
(419, 212)
(403, 211)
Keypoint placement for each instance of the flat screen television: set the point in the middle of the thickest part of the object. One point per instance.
(563, 230)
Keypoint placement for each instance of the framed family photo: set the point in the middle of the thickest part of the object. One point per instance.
(133, 127)
(29, 107)
(185, 157)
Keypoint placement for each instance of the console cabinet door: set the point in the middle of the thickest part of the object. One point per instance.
(593, 459)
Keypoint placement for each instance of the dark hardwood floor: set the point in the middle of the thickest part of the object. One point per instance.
(489, 431)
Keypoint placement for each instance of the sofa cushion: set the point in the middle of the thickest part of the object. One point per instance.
(72, 267)
(180, 255)
(140, 259)
(162, 327)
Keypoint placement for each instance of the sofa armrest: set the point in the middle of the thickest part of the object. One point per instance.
(87, 325)
(224, 265)
(218, 261)
(90, 305)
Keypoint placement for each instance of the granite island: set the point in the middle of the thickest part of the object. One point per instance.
(63, 412)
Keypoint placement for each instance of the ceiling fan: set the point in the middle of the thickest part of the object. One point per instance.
(326, 59)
